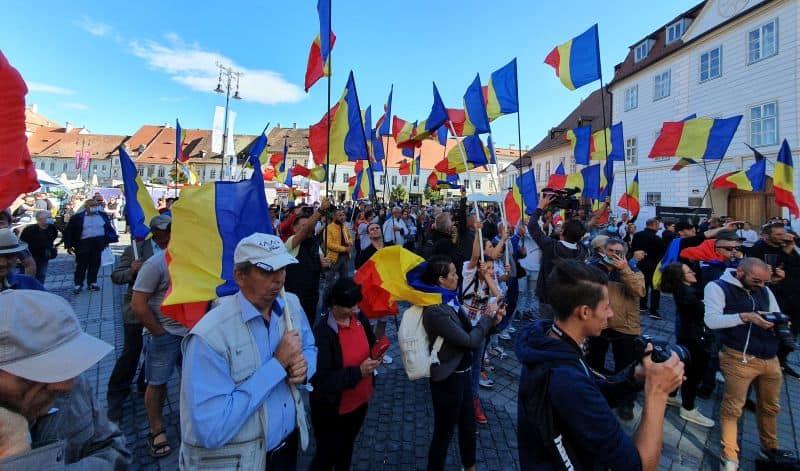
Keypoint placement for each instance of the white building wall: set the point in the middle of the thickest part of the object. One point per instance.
(740, 87)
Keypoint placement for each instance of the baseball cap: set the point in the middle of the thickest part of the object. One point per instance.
(41, 339)
(265, 251)
(160, 222)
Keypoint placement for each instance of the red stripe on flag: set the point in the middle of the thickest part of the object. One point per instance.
(376, 302)
(554, 60)
(668, 140)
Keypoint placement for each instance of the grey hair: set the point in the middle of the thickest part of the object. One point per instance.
(750, 263)
(616, 241)
(442, 222)
(42, 212)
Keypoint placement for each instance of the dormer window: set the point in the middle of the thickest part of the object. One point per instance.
(676, 30)
(642, 49)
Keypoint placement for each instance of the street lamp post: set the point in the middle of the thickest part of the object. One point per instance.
(229, 75)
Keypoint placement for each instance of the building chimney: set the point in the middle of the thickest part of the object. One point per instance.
(68, 127)
(278, 125)
(34, 108)
(294, 125)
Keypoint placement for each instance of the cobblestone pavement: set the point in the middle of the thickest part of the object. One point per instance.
(399, 424)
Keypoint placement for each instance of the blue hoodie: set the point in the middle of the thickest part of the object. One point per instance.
(581, 404)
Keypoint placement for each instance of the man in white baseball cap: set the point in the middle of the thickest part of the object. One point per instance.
(48, 414)
(241, 365)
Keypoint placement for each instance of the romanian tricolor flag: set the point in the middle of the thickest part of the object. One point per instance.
(606, 180)
(348, 141)
(319, 62)
(362, 184)
(300, 171)
(522, 198)
(478, 154)
(577, 61)
(630, 199)
(374, 145)
(382, 125)
(588, 146)
(580, 140)
(701, 138)
(558, 180)
(442, 133)
(433, 180)
(207, 223)
(410, 167)
(319, 173)
(180, 138)
(403, 132)
(390, 275)
(783, 181)
(477, 121)
(683, 163)
(456, 118)
(671, 256)
(501, 93)
(587, 180)
(422, 129)
(139, 207)
(191, 177)
(752, 179)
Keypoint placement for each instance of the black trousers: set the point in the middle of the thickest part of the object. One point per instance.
(87, 259)
(284, 457)
(695, 370)
(452, 404)
(335, 435)
(655, 295)
(119, 384)
(622, 347)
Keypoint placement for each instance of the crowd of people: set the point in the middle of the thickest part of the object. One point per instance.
(577, 286)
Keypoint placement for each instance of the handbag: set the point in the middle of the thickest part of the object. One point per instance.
(107, 257)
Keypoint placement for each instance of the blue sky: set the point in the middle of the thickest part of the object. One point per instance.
(114, 66)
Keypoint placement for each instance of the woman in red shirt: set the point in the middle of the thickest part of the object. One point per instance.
(344, 377)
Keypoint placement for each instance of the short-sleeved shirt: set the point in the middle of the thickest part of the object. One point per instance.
(476, 294)
(153, 278)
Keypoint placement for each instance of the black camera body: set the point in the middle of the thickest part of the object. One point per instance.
(565, 199)
(781, 329)
(662, 350)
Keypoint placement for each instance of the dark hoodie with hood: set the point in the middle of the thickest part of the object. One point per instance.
(564, 411)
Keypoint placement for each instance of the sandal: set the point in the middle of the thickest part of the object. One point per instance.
(162, 449)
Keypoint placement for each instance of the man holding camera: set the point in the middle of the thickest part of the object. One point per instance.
(626, 285)
(734, 307)
(564, 409)
(779, 249)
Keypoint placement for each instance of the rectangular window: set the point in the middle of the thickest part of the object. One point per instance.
(404, 180)
(103, 168)
(213, 173)
(661, 85)
(383, 180)
(573, 167)
(150, 171)
(539, 172)
(631, 97)
(64, 167)
(141, 171)
(394, 180)
(161, 172)
(415, 181)
(711, 64)
(345, 177)
(764, 124)
(641, 50)
(294, 162)
(547, 168)
(630, 151)
(477, 184)
(762, 42)
(466, 184)
(674, 31)
(52, 166)
(652, 199)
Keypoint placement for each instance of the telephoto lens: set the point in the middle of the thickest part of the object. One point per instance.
(662, 350)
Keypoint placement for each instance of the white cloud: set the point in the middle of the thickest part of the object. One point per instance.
(45, 88)
(95, 28)
(71, 105)
(190, 65)
(172, 99)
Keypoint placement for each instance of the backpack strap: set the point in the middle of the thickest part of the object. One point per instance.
(437, 345)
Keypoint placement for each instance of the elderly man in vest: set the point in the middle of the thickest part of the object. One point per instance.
(240, 407)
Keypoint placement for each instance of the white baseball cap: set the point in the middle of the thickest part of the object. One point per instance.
(265, 251)
(41, 339)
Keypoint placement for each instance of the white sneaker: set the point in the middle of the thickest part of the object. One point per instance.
(387, 360)
(674, 401)
(694, 416)
(504, 335)
(729, 465)
(720, 379)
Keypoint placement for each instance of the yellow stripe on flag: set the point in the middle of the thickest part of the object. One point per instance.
(564, 52)
(694, 138)
(783, 176)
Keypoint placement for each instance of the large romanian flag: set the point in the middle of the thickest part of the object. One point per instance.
(630, 199)
(456, 117)
(348, 141)
(390, 275)
(587, 180)
(403, 133)
(501, 94)
(558, 180)
(139, 207)
(319, 57)
(604, 143)
(477, 121)
(580, 140)
(426, 128)
(477, 155)
(698, 138)
(783, 181)
(577, 61)
(207, 223)
(752, 179)
(363, 186)
(522, 198)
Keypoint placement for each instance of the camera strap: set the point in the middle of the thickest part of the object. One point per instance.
(567, 339)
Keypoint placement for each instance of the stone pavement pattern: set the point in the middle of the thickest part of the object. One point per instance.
(399, 424)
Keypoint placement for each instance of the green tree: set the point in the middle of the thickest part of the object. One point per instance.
(398, 193)
(181, 176)
(431, 195)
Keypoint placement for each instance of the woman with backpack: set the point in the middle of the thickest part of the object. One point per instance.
(344, 378)
(450, 383)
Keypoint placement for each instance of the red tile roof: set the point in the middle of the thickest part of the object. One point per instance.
(57, 142)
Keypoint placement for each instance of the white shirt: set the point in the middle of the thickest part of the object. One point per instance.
(93, 226)
(392, 236)
(533, 257)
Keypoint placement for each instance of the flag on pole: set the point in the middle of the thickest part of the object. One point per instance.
(191, 177)
(319, 63)
(783, 181)
(476, 152)
(577, 61)
(630, 199)
(139, 207)
(348, 141)
(752, 179)
(606, 180)
(558, 180)
(580, 140)
(442, 133)
(587, 180)
(477, 121)
(523, 190)
(374, 145)
(616, 144)
(424, 129)
(383, 122)
(180, 138)
(700, 138)
(456, 117)
(683, 163)
(501, 92)
(403, 132)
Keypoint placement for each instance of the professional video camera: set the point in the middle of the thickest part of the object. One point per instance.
(662, 349)
(781, 329)
(565, 199)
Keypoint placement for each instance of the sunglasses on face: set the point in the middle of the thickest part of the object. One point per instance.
(738, 248)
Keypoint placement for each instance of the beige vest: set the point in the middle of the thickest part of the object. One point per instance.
(225, 332)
